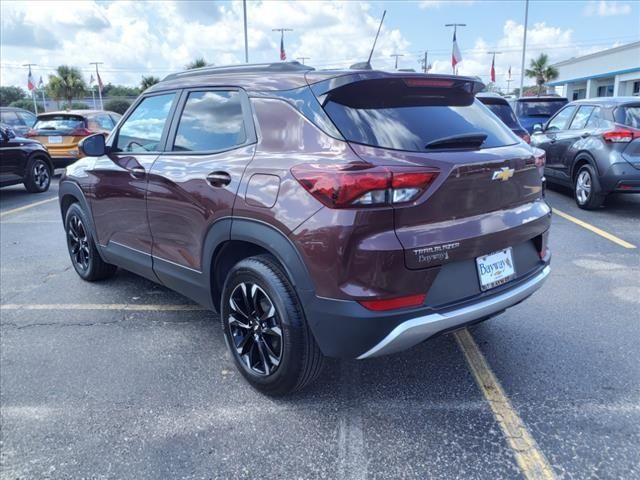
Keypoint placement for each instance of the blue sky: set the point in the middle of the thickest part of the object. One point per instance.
(159, 37)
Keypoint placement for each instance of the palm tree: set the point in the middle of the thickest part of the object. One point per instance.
(66, 84)
(197, 63)
(541, 71)
(146, 82)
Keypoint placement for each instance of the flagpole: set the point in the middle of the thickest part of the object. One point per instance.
(282, 30)
(455, 30)
(524, 46)
(99, 82)
(30, 79)
(246, 43)
(493, 62)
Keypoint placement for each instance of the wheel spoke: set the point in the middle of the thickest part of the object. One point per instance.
(263, 357)
(273, 356)
(235, 322)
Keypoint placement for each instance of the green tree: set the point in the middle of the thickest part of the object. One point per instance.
(197, 63)
(147, 82)
(540, 69)
(118, 106)
(27, 104)
(11, 94)
(111, 90)
(66, 84)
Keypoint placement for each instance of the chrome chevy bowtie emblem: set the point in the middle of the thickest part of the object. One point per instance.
(504, 174)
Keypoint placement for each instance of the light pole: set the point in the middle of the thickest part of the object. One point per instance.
(524, 46)
(246, 44)
(99, 80)
(302, 59)
(425, 65)
(456, 51)
(396, 55)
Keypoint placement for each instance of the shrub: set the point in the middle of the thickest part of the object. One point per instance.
(118, 106)
(75, 106)
(27, 104)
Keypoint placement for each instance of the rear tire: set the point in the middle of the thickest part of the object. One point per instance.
(82, 248)
(586, 188)
(38, 176)
(265, 328)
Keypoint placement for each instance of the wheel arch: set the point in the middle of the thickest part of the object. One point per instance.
(583, 157)
(70, 193)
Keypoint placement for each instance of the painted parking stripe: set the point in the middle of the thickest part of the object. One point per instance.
(596, 230)
(27, 207)
(105, 306)
(531, 460)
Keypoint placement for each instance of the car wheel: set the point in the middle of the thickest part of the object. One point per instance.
(587, 190)
(82, 249)
(38, 176)
(265, 328)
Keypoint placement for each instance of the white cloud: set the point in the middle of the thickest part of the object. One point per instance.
(439, 3)
(603, 8)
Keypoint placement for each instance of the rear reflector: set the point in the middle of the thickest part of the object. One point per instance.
(352, 186)
(394, 303)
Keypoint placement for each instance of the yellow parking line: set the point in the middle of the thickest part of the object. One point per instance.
(531, 460)
(26, 207)
(103, 306)
(596, 230)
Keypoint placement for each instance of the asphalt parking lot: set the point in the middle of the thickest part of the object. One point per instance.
(125, 379)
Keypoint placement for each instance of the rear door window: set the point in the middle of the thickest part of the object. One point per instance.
(28, 118)
(10, 118)
(559, 122)
(210, 121)
(390, 115)
(582, 116)
(142, 130)
(102, 122)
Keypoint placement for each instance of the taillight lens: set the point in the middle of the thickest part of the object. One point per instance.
(620, 135)
(80, 132)
(352, 186)
(394, 303)
(31, 133)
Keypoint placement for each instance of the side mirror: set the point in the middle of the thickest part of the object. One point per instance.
(93, 145)
(7, 133)
(537, 128)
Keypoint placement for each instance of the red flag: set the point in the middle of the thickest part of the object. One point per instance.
(100, 86)
(493, 68)
(30, 84)
(456, 56)
(283, 54)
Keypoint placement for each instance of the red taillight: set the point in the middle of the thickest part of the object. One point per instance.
(354, 186)
(394, 303)
(525, 136)
(80, 132)
(620, 135)
(31, 133)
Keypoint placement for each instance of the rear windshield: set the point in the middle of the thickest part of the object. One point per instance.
(628, 115)
(59, 123)
(503, 112)
(539, 108)
(409, 118)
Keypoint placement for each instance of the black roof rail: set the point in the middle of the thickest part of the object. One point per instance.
(293, 66)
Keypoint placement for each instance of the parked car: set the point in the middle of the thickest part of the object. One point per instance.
(18, 119)
(23, 160)
(593, 146)
(343, 213)
(501, 109)
(532, 110)
(60, 132)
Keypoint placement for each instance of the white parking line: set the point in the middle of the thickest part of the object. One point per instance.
(27, 207)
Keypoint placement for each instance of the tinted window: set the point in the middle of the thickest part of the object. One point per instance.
(580, 120)
(539, 108)
(142, 130)
(28, 118)
(391, 114)
(503, 112)
(628, 115)
(59, 123)
(559, 122)
(595, 119)
(10, 118)
(211, 121)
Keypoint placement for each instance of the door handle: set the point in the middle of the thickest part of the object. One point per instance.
(219, 179)
(585, 135)
(137, 172)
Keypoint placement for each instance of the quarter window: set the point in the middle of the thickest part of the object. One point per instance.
(210, 121)
(559, 122)
(142, 130)
(582, 115)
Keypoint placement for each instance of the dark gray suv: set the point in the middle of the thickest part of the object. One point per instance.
(593, 146)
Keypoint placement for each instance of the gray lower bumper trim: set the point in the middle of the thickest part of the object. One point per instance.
(416, 330)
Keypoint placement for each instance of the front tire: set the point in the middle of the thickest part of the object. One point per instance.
(586, 188)
(82, 248)
(265, 328)
(38, 176)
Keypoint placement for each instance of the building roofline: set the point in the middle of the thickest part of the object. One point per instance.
(593, 77)
(597, 54)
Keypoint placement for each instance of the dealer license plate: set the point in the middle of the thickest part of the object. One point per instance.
(55, 139)
(495, 269)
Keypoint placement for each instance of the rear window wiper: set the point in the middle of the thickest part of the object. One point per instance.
(468, 140)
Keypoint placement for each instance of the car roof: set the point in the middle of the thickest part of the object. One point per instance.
(15, 109)
(607, 101)
(493, 97)
(271, 76)
(542, 98)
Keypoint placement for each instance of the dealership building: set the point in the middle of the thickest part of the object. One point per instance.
(608, 73)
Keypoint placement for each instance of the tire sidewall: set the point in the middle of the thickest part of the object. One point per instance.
(76, 210)
(30, 182)
(594, 198)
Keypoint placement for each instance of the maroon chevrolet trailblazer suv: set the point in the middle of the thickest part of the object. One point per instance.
(350, 213)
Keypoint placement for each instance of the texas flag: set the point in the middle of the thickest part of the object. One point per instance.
(493, 68)
(31, 85)
(283, 54)
(100, 85)
(456, 56)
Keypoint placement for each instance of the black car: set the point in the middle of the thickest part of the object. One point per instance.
(593, 146)
(19, 119)
(23, 160)
(501, 109)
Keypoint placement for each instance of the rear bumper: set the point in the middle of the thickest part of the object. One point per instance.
(345, 329)
(621, 177)
(62, 161)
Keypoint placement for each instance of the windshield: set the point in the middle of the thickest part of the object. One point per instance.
(503, 112)
(59, 123)
(628, 115)
(409, 119)
(539, 108)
